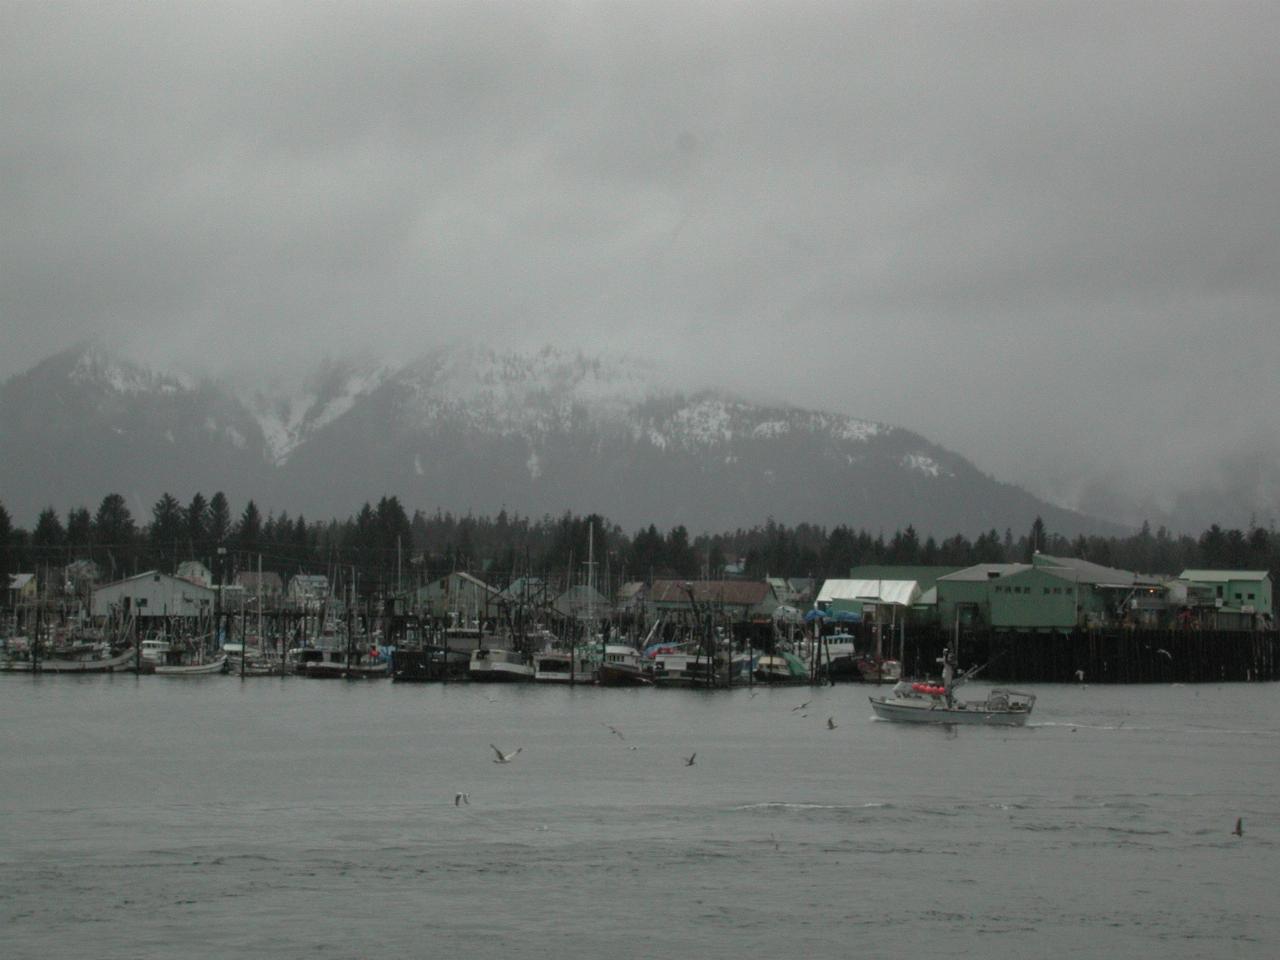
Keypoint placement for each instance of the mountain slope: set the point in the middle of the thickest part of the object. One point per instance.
(475, 430)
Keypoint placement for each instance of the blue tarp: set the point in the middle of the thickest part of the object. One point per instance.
(839, 616)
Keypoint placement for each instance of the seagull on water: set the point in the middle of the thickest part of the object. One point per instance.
(688, 761)
(831, 723)
(1239, 830)
(505, 757)
(460, 798)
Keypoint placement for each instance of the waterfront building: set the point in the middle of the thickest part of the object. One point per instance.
(1227, 599)
(153, 595)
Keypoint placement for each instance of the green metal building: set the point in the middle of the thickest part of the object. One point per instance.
(1239, 598)
(1051, 594)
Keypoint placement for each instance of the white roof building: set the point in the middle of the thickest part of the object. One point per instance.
(898, 593)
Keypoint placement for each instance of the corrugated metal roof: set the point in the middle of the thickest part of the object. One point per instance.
(1083, 571)
(1222, 576)
(901, 593)
(986, 571)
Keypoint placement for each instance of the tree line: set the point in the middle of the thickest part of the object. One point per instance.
(382, 546)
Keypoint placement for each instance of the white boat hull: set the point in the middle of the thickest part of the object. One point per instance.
(500, 672)
(935, 710)
(121, 661)
(192, 670)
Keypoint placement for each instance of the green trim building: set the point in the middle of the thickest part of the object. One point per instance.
(1239, 599)
(1050, 594)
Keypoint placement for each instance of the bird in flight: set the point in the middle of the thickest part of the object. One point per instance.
(688, 761)
(802, 706)
(1239, 830)
(505, 757)
(615, 731)
(460, 798)
(831, 723)
(1163, 652)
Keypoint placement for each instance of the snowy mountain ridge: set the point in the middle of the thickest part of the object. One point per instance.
(474, 429)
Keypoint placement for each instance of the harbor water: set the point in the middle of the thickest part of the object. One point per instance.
(282, 818)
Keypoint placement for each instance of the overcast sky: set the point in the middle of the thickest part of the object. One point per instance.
(1044, 235)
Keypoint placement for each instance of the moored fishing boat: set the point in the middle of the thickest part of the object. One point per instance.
(215, 666)
(622, 666)
(499, 665)
(678, 669)
(101, 661)
(780, 667)
(335, 665)
(559, 666)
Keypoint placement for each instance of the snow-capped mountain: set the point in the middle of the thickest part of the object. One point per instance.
(287, 417)
(476, 430)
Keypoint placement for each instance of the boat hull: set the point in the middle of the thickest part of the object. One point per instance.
(621, 675)
(970, 714)
(192, 670)
(121, 661)
(501, 673)
(329, 670)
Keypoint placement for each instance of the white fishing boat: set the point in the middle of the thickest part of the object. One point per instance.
(99, 661)
(937, 703)
(926, 703)
(499, 665)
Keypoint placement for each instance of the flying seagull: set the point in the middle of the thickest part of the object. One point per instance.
(1239, 830)
(802, 706)
(831, 723)
(1163, 652)
(688, 761)
(505, 757)
(461, 798)
(615, 731)
(1079, 676)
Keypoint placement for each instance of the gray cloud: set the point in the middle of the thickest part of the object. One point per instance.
(1043, 234)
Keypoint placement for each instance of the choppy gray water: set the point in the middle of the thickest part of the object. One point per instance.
(147, 817)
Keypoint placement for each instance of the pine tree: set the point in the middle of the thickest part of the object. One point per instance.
(79, 529)
(219, 528)
(197, 517)
(168, 525)
(48, 535)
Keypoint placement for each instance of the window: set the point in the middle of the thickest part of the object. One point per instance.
(1251, 596)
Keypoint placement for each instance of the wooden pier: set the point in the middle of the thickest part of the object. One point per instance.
(1104, 656)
